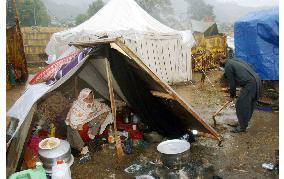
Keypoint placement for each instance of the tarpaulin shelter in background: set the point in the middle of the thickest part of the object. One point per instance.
(209, 42)
(164, 50)
(257, 42)
(16, 68)
(206, 28)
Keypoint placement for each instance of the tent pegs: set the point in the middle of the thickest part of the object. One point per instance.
(118, 145)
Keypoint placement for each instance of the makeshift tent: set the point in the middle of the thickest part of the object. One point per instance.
(164, 50)
(158, 105)
(257, 42)
(16, 64)
(209, 43)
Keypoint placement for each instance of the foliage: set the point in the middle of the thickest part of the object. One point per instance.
(93, 9)
(80, 18)
(199, 10)
(31, 12)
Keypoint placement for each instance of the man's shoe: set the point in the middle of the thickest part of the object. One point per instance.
(238, 130)
(234, 125)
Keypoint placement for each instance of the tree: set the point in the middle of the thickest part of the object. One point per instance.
(93, 9)
(159, 9)
(31, 12)
(80, 18)
(198, 10)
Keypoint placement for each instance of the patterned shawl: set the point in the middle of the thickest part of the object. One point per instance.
(82, 112)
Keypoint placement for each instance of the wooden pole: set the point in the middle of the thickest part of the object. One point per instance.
(76, 87)
(113, 109)
(219, 110)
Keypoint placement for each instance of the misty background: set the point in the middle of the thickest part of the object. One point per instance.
(174, 13)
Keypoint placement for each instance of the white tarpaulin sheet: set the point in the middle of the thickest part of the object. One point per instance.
(116, 18)
(151, 40)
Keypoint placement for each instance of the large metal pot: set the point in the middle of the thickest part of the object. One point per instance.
(174, 153)
(49, 156)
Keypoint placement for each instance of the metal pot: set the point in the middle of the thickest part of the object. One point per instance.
(49, 156)
(174, 153)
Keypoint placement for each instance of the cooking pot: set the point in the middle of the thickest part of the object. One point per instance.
(60, 151)
(174, 153)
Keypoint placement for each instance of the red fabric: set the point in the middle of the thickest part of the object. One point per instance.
(33, 143)
(122, 126)
(135, 134)
(49, 71)
(84, 133)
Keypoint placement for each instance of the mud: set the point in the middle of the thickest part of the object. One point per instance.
(240, 156)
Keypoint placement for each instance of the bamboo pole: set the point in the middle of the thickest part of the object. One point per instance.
(113, 109)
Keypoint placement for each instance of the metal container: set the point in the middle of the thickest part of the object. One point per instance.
(126, 120)
(174, 153)
(49, 156)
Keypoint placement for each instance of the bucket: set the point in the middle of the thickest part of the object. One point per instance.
(174, 153)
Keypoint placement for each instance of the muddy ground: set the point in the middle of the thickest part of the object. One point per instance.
(240, 156)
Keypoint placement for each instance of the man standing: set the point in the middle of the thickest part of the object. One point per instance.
(239, 72)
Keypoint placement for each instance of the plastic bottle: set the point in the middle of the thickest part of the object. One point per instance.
(52, 130)
(30, 158)
(110, 135)
(61, 170)
(111, 138)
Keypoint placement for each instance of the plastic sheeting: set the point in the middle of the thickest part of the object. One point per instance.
(32, 94)
(257, 42)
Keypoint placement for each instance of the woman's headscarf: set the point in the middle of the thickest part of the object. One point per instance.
(82, 112)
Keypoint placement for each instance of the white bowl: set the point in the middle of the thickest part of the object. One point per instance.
(174, 146)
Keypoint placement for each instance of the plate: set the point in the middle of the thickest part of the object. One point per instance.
(49, 143)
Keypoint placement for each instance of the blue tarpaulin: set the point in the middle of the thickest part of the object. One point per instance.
(257, 42)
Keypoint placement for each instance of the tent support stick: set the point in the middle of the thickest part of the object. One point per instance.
(76, 86)
(113, 110)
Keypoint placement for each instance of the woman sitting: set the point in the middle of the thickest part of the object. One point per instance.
(86, 111)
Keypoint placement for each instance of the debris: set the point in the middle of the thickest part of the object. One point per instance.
(144, 177)
(133, 168)
(127, 145)
(112, 176)
(144, 160)
(85, 158)
(268, 166)
(244, 171)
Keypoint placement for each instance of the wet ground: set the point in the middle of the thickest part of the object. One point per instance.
(240, 156)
